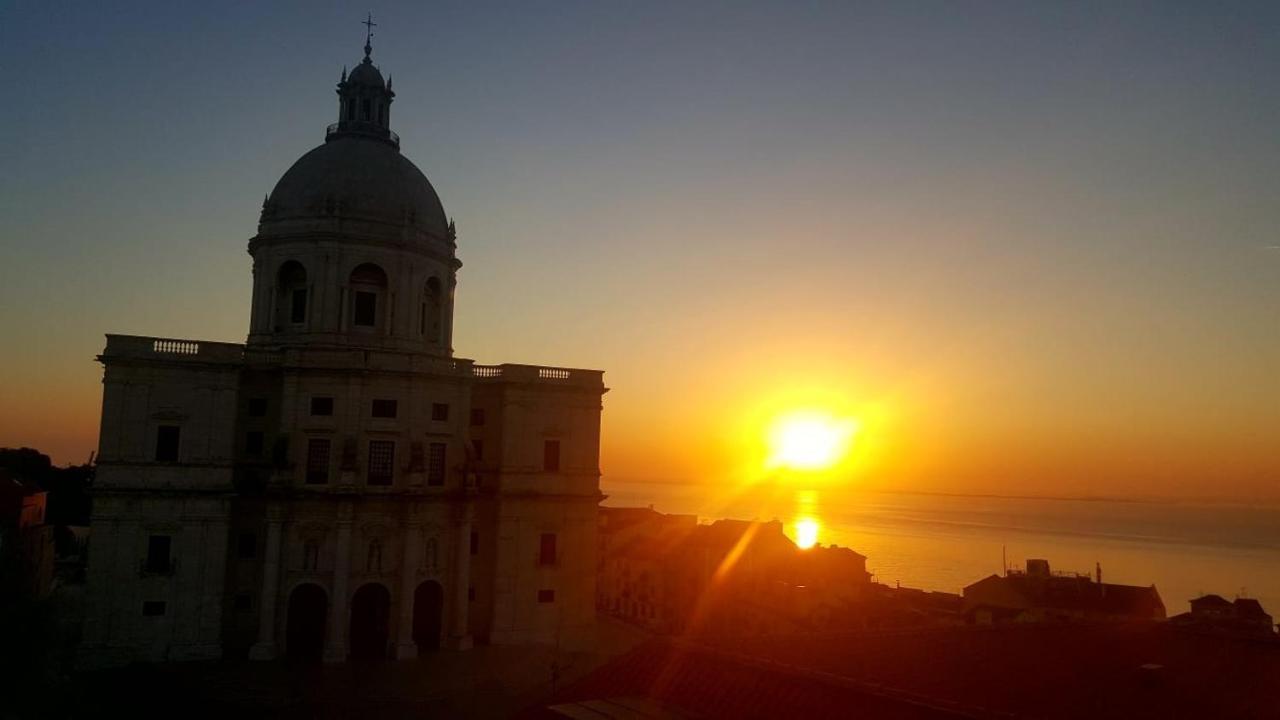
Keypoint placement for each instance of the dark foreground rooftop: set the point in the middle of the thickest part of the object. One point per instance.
(1147, 670)
(1105, 670)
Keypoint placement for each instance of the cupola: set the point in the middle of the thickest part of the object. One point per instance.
(364, 99)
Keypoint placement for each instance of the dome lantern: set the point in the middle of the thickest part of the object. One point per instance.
(364, 99)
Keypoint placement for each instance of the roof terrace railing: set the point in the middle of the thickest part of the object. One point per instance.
(538, 374)
(139, 346)
(369, 129)
(203, 351)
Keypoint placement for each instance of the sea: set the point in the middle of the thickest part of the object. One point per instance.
(944, 542)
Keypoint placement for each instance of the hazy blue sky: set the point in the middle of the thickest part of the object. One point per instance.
(1036, 239)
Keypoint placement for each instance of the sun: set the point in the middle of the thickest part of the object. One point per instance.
(809, 440)
(806, 533)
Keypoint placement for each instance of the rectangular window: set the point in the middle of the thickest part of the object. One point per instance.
(280, 451)
(382, 454)
(244, 602)
(298, 306)
(153, 608)
(318, 461)
(551, 455)
(475, 542)
(547, 549)
(471, 593)
(167, 443)
(477, 416)
(546, 596)
(384, 408)
(248, 546)
(478, 445)
(435, 463)
(257, 407)
(440, 412)
(158, 547)
(322, 406)
(253, 443)
(365, 312)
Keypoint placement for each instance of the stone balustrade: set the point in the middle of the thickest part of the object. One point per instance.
(172, 349)
(508, 372)
(203, 351)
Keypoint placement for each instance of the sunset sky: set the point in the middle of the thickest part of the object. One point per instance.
(1030, 248)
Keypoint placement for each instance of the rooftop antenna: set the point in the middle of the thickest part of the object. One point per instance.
(369, 25)
(1004, 561)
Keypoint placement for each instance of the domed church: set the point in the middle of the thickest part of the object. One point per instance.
(341, 485)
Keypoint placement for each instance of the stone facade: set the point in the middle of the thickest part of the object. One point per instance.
(341, 485)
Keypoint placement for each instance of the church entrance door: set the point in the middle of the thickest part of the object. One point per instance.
(370, 615)
(428, 608)
(304, 632)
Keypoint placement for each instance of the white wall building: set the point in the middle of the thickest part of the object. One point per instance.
(341, 485)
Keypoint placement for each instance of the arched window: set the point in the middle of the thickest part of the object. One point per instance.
(368, 296)
(432, 309)
(310, 555)
(351, 110)
(291, 295)
(373, 561)
(433, 554)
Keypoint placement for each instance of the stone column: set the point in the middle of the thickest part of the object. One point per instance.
(459, 638)
(335, 649)
(410, 554)
(265, 648)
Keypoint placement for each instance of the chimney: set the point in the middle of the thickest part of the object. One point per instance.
(1098, 567)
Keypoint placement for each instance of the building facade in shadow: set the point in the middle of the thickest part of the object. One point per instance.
(341, 485)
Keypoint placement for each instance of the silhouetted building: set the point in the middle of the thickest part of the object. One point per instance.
(26, 540)
(670, 574)
(1243, 616)
(633, 583)
(341, 484)
(1038, 595)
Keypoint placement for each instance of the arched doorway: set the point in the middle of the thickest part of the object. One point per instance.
(304, 631)
(370, 615)
(428, 608)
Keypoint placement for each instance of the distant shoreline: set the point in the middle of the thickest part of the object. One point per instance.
(1253, 502)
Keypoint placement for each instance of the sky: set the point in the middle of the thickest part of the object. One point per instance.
(1031, 248)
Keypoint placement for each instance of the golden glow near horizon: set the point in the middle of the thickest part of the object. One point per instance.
(806, 533)
(809, 440)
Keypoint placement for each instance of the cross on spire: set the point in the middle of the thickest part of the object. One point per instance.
(369, 25)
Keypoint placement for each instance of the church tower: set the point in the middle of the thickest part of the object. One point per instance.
(341, 485)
